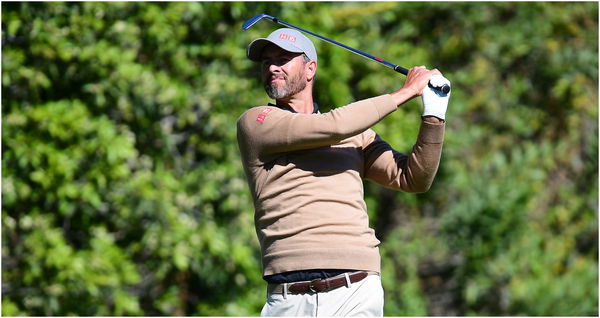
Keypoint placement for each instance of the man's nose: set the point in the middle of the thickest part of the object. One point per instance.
(274, 68)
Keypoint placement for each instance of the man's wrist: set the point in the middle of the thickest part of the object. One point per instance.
(403, 95)
(433, 119)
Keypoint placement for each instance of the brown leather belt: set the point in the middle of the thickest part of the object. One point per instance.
(319, 285)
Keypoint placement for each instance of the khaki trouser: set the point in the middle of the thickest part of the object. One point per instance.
(363, 298)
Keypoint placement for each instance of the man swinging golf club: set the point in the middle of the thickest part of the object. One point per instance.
(305, 171)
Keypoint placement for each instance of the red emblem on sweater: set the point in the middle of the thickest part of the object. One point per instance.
(261, 117)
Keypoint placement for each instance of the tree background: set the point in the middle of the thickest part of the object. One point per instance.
(123, 191)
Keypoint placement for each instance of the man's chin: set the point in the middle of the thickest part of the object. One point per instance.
(278, 96)
(275, 93)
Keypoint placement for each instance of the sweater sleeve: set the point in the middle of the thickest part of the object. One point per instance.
(413, 172)
(267, 130)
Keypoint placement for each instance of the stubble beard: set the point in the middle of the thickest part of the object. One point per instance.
(293, 85)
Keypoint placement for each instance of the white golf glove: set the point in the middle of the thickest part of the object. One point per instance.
(435, 102)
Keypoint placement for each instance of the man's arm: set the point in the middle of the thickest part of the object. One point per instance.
(413, 172)
(268, 130)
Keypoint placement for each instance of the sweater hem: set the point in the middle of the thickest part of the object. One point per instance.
(367, 259)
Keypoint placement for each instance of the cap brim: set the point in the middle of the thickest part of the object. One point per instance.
(257, 46)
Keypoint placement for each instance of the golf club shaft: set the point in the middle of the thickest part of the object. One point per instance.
(445, 89)
(395, 67)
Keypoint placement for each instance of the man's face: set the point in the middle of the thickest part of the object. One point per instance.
(283, 72)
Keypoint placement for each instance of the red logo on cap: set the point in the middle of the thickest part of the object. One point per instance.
(288, 37)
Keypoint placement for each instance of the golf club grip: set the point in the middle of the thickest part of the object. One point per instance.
(401, 70)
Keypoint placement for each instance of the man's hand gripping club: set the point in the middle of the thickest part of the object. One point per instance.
(425, 83)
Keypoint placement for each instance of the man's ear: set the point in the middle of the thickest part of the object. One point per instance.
(311, 70)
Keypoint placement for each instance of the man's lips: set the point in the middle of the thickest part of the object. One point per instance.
(276, 78)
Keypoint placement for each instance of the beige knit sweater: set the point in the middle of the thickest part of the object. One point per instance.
(305, 174)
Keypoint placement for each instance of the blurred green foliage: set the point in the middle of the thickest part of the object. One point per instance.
(123, 191)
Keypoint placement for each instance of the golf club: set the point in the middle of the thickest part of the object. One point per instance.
(444, 89)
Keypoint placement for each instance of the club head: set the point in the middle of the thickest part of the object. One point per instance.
(255, 19)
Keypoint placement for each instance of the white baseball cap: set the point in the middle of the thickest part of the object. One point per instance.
(287, 39)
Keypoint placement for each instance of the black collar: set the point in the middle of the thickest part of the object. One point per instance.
(315, 110)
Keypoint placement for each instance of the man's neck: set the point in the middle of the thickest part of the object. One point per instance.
(299, 103)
